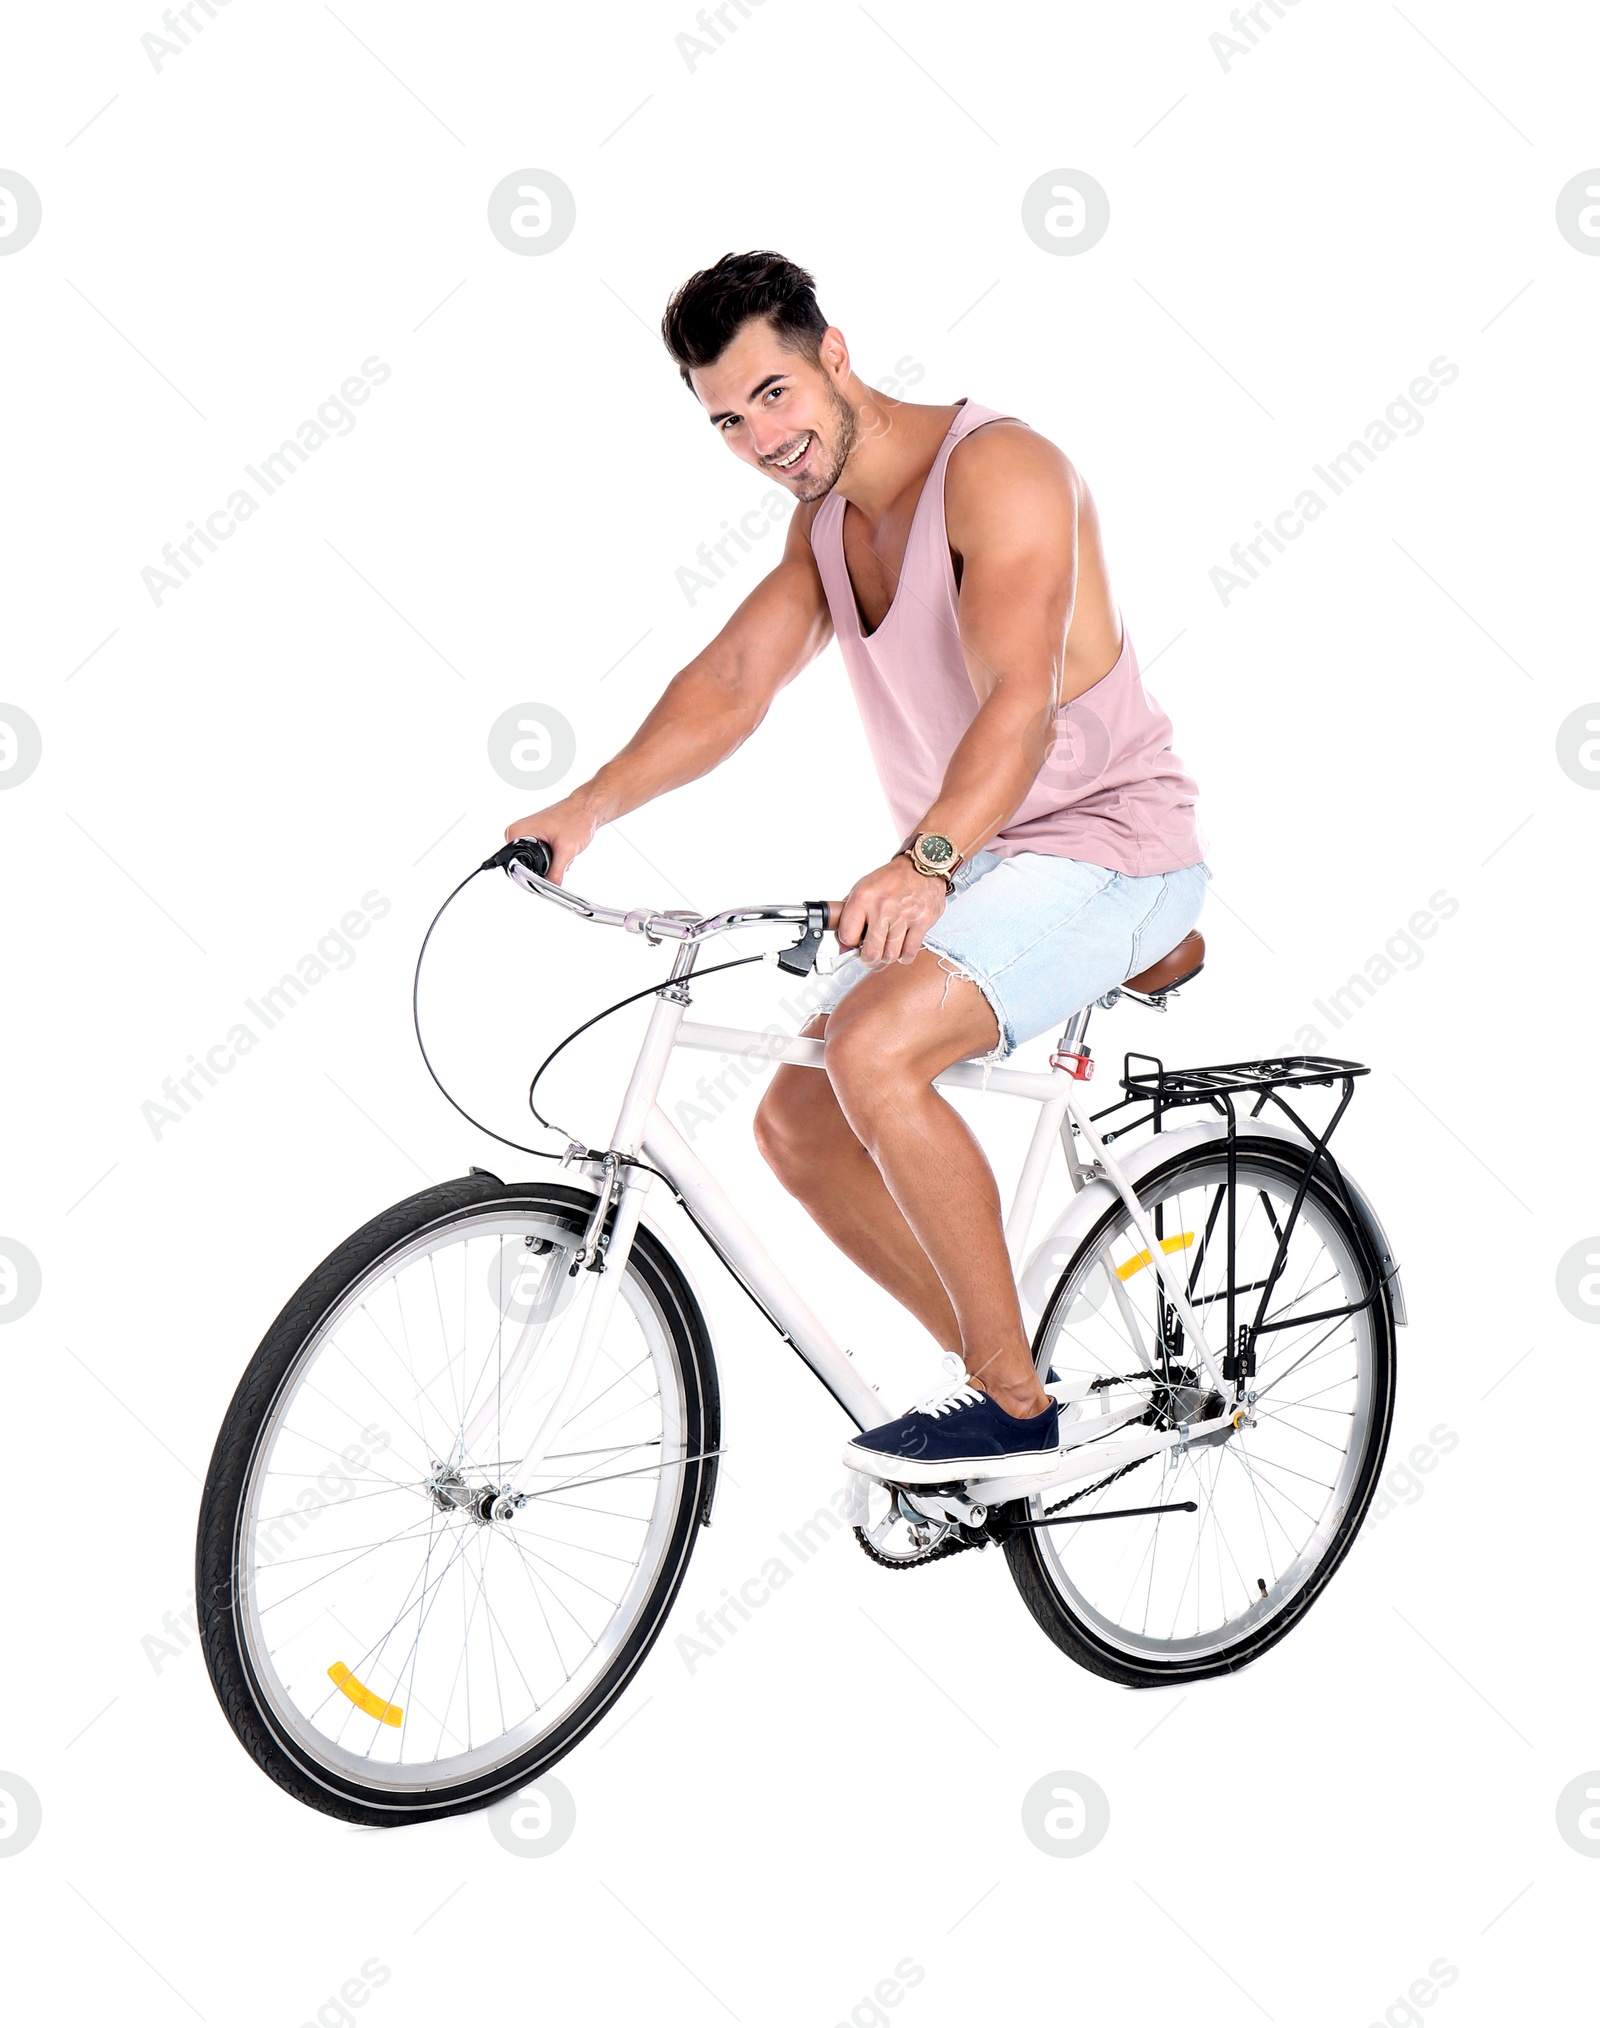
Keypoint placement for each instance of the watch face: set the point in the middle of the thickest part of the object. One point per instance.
(936, 850)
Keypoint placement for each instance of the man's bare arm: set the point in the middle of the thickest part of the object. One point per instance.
(709, 709)
(1012, 515)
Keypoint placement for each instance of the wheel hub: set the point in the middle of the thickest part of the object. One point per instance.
(452, 1494)
(1184, 1397)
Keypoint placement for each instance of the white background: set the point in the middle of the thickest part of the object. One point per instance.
(1293, 239)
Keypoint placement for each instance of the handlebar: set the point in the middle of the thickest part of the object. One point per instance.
(527, 861)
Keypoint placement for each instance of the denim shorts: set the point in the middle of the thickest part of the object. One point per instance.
(1043, 936)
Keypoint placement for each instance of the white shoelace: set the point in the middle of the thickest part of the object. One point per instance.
(957, 1391)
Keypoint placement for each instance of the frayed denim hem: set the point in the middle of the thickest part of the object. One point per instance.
(954, 969)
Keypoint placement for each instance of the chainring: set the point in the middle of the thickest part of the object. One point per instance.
(951, 1546)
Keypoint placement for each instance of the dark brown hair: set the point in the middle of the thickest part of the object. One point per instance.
(702, 316)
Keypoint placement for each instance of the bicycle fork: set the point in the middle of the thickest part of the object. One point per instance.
(630, 1193)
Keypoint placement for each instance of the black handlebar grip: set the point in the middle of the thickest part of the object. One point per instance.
(533, 853)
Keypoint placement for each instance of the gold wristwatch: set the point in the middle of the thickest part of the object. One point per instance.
(931, 852)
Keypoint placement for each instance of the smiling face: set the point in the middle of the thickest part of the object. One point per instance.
(780, 411)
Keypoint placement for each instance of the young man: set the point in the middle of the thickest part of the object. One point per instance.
(1050, 844)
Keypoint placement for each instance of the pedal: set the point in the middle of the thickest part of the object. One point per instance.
(955, 1508)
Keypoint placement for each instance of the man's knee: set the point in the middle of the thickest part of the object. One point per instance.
(787, 1115)
(780, 1125)
(867, 1053)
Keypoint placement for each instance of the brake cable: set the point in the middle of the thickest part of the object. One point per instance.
(522, 1147)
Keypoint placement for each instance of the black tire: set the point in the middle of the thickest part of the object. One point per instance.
(1072, 1632)
(217, 1582)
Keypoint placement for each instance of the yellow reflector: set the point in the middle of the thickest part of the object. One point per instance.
(1142, 1258)
(362, 1698)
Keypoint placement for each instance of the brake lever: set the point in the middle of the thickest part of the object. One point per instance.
(801, 957)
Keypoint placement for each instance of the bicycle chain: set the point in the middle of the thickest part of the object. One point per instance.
(1099, 1486)
(951, 1546)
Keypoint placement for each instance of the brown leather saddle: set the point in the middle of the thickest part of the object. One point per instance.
(1181, 964)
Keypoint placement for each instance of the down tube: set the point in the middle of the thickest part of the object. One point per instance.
(805, 1331)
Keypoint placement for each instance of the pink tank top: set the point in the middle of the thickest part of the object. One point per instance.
(1111, 791)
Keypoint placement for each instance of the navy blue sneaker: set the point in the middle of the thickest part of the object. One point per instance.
(958, 1432)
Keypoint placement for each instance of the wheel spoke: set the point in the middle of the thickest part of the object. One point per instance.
(1170, 1587)
(433, 1640)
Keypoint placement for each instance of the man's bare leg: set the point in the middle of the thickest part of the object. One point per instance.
(884, 1045)
(811, 1148)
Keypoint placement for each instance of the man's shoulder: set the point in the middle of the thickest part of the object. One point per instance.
(1007, 445)
(803, 522)
(1005, 470)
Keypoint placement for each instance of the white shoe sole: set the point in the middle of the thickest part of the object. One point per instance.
(940, 1471)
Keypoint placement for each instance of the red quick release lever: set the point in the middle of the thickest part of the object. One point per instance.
(1077, 1062)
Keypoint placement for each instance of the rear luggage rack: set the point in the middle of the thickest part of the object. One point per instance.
(1218, 1085)
(1268, 1073)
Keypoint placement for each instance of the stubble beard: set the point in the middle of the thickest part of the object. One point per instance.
(837, 447)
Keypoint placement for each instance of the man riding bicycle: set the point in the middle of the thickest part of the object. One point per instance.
(1050, 841)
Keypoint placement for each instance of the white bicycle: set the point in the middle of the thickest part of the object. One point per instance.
(459, 1484)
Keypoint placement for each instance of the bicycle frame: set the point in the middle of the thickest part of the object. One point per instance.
(644, 1131)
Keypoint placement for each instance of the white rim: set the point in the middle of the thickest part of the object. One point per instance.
(1181, 1587)
(410, 1645)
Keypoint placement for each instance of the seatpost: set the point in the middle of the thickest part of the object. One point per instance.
(1071, 1054)
(1076, 1029)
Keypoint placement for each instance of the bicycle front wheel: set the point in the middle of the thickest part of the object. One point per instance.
(386, 1644)
(1163, 1598)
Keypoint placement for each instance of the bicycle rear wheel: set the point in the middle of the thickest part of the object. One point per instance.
(385, 1646)
(1173, 1597)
